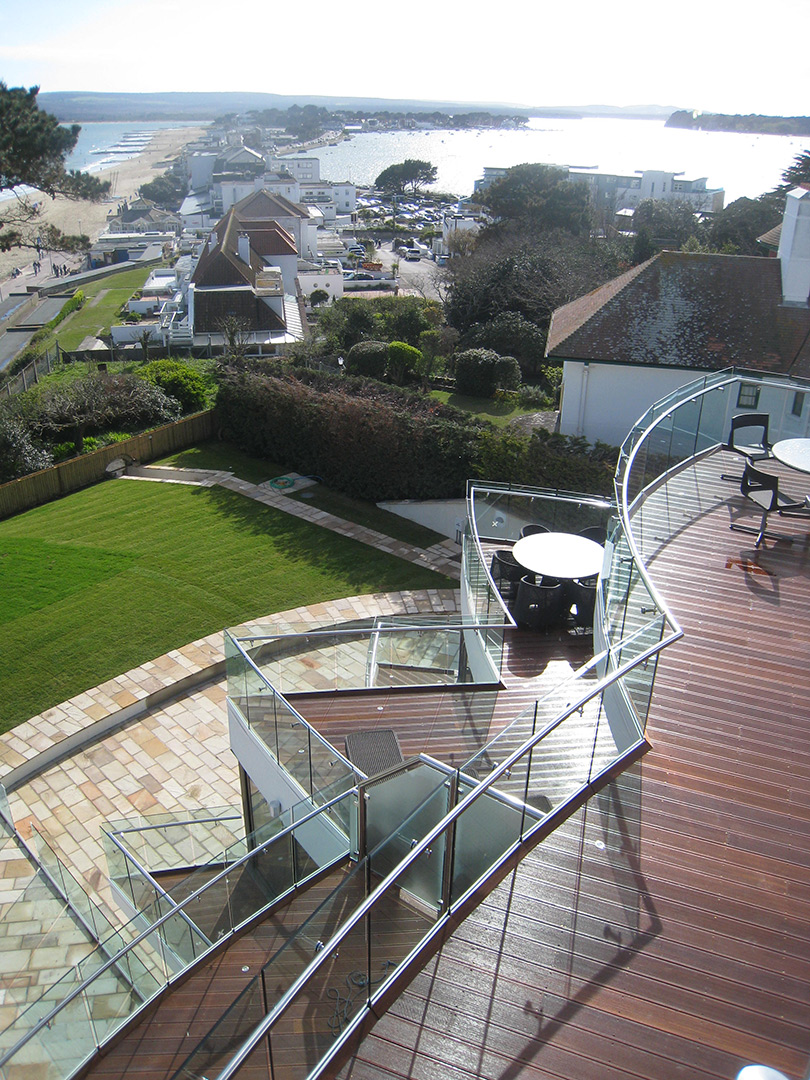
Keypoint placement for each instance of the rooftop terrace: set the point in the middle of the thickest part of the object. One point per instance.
(662, 928)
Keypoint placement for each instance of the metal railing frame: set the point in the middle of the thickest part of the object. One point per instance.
(47, 1020)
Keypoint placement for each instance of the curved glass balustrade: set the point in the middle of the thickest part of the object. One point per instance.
(477, 819)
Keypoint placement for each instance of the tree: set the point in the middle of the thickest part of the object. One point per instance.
(669, 222)
(33, 148)
(735, 229)
(530, 275)
(509, 332)
(92, 404)
(798, 172)
(18, 454)
(539, 196)
(411, 173)
(318, 297)
(166, 191)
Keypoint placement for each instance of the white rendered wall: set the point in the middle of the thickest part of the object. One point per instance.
(603, 401)
(329, 280)
(444, 516)
(794, 247)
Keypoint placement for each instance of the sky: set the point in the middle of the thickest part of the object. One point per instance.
(717, 57)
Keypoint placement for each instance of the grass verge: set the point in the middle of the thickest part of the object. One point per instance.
(108, 578)
(103, 302)
(221, 455)
(498, 413)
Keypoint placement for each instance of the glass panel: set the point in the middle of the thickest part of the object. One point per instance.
(335, 994)
(218, 1047)
(58, 1050)
(399, 812)
(483, 832)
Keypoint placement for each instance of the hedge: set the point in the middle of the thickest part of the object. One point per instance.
(367, 447)
(374, 442)
(480, 372)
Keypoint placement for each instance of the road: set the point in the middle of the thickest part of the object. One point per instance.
(415, 278)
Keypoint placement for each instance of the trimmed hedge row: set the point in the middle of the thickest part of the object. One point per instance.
(377, 443)
(364, 447)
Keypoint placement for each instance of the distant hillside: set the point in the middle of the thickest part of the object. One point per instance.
(752, 123)
(69, 105)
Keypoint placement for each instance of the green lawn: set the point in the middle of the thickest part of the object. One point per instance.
(220, 455)
(497, 412)
(100, 311)
(103, 580)
(369, 515)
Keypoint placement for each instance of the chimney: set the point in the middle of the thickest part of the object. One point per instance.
(212, 241)
(243, 248)
(794, 247)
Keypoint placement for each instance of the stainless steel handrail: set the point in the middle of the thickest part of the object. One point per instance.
(73, 994)
(326, 954)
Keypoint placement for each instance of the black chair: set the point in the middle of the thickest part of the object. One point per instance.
(506, 573)
(533, 529)
(597, 533)
(762, 489)
(582, 597)
(539, 607)
(752, 440)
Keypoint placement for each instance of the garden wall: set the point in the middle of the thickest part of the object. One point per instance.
(40, 487)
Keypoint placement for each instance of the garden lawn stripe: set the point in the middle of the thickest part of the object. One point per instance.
(195, 560)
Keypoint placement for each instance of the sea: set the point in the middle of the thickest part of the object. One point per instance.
(744, 165)
(104, 145)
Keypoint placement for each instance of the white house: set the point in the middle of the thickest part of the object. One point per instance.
(664, 322)
(298, 166)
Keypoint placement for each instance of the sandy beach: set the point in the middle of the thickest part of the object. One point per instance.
(128, 177)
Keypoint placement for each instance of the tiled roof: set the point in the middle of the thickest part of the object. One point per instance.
(261, 205)
(687, 310)
(771, 238)
(212, 306)
(271, 239)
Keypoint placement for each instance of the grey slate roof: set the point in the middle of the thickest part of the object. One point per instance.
(679, 309)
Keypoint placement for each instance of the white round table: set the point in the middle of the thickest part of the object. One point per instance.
(559, 555)
(795, 453)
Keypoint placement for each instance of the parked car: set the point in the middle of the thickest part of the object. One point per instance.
(412, 254)
(361, 275)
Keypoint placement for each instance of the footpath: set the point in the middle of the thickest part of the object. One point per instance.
(443, 557)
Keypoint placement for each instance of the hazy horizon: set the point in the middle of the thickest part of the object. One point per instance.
(539, 56)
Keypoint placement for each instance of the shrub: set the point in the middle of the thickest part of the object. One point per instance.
(402, 360)
(368, 358)
(18, 453)
(480, 372)
(372, 447)
(91, 405)
(535, 397)
(178, 380)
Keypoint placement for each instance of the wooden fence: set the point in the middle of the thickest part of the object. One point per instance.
(40, 487)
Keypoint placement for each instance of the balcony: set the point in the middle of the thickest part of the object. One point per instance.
(624, 917)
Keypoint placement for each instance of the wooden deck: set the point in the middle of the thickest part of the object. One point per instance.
(664, 930)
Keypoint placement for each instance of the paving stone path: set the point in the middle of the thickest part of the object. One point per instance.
(441, 557)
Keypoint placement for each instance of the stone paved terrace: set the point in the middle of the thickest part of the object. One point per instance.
(171, 757)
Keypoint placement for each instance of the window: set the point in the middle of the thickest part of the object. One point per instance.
(748, 396)
(798, 403)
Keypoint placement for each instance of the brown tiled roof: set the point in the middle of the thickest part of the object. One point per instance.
(686, 310)
(212, 306)
(265, 205)
(270, 239)
(771, 238)
(222, 265)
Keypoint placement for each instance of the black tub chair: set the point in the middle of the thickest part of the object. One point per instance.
(506, 573)
(539, 607)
